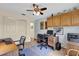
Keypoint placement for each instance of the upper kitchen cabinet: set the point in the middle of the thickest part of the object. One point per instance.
(50, 21)
(56, 21)
(66, 19)
(75, 18)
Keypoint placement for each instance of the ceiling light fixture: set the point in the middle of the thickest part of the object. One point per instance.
(36, 13)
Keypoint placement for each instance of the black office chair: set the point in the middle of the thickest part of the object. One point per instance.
(22, 41)
(21, 44)
(50, 32)
(39, 38)
(43, 40)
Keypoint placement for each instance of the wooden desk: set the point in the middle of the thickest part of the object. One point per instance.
(5, 49)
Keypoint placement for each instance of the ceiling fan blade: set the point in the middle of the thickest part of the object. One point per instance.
(34, 5)
(41, 13)
(42, 9)
(29, 10)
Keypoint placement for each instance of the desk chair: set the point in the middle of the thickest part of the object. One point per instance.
(43, 41)
(21, 44)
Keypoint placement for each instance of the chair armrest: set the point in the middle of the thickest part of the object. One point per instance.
(16, 41)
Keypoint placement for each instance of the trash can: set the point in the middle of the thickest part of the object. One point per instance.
(58, 46)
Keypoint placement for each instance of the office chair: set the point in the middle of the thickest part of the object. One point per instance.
(39, 38)
(21, 41)
(50, 32)
(21, 44)
(43, 41)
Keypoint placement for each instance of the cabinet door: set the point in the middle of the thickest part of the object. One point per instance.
(75, 18)
(56, 20)
(66, 19)
(50, 22)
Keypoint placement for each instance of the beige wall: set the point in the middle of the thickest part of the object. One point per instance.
(14, 27)
(30, 31)
(37, 27)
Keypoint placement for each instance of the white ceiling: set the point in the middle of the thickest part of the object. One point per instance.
(19, 8)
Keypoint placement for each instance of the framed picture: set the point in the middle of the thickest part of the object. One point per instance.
(45, 24)
(42, 25)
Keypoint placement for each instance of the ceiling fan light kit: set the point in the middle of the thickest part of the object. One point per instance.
(36, 10)
(36, 13)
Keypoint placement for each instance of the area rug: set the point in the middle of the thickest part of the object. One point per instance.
(35, 51)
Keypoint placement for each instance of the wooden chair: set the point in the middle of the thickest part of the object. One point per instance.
(72, 52)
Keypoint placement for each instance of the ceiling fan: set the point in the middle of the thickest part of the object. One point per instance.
(36, 10)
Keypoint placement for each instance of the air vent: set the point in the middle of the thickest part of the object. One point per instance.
(23, 14)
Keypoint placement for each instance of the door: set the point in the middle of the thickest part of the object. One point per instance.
(20, 28)
(9, 28)
(1, 27)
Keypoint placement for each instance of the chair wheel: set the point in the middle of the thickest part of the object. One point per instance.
(20, 49)
(46, 47)
(22, 55)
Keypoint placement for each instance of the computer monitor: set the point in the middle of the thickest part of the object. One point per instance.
(50, 32)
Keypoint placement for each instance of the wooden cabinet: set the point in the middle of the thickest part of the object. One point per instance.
(66, 19)
(49, 21)
(56, 21)
(75, 18)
